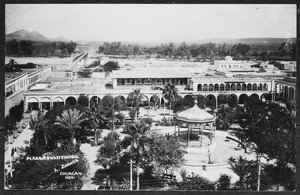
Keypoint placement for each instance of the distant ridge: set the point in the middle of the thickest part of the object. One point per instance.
(227, 41)
(32, 36)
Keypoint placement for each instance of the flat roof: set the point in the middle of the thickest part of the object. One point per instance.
(152, 74)
(10, 76)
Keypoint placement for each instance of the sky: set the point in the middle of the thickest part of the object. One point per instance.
(128, 22)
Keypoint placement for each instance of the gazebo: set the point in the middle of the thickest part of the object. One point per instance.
(198, 122)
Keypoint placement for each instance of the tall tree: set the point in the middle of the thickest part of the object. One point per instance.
(166, 153)
(170, 93)
(70, 119)
(139, 142)
(240, 166)
(109, 152)
(37, 123)
(135, 99)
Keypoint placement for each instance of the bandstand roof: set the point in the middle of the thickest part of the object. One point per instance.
(195, 115)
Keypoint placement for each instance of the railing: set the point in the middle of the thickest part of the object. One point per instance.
(196, 144)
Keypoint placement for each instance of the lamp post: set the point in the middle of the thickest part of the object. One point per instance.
(208, 154)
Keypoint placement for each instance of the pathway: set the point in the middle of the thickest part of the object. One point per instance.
(90, 153)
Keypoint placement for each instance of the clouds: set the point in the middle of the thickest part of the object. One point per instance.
(152, 22)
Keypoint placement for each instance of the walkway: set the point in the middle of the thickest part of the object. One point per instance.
(90, 153)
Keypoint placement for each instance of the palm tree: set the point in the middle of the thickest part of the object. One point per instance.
(135, 98)
(70, 119)
(170, 93)
(240, 166)
(95, 120)
(37, 122)
(139, 139)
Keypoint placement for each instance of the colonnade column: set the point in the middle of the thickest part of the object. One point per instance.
(188, 134)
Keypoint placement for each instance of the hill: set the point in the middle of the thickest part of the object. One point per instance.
(32, 36)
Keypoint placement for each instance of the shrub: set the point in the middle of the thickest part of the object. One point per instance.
(224, 182)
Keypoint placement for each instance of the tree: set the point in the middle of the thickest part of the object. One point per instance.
(12, 47)
(284, 49)
(166, 153)
(109, 152)
(239, 166)
(139, 143)
(41, 174)
(170, 93)
(195, 50)
(26, 47)
(240, 49)
(84, 73)
(83, 100)
(37, 123)
(196, 182)
(70, 119)
(135, 98)
(225, 117)
(16, 113)
(224, 182)
(110, 66)
(96, 120)
(270, 129)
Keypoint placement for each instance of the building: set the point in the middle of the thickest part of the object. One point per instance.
(16, 82)
(150, 78)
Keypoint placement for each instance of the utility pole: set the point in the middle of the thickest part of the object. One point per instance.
(10, 161)
(259, 171)
(130, 174)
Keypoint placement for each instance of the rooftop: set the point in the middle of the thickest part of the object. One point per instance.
(10, 76)
(151, 74)
(195, 114)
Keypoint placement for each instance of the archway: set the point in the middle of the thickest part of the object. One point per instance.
(265, 87)
(222, 99)
(243, 98)
(249, 87)
(254, 97)
(95, 100)
(266, 96)
(58, 101)
(199, 87)
(120, 103)
(210, 87)
(222, 87)
(154, 100)
(83, 100)
(254, 87)
(259, 87)
(210, 101)
(46, 103)
(217, 88)
(227, 87)
(238, 87)
(33, 104)
(145, 101)
(201, 101)
(71, 101)
(286, 92)
(232, 87)
(205, 87)
(291, 93)
(232, 100)
(243, 87)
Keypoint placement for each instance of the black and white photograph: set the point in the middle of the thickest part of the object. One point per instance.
(150, 97)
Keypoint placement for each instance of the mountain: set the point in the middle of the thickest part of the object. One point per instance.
(32, 36)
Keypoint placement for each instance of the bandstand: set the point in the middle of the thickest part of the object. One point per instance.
(195, 121)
